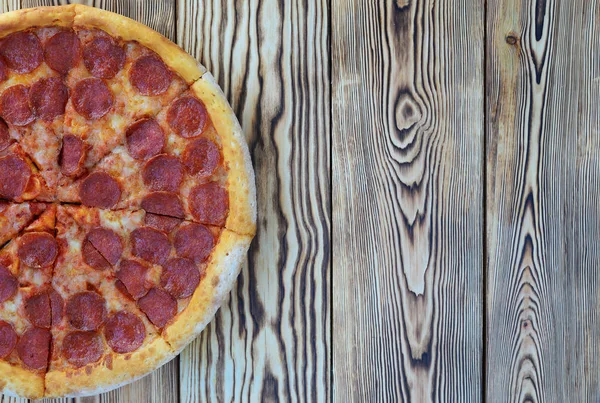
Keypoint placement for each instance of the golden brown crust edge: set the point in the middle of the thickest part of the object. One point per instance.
(240, 179)
(130, 30)
(101, 378)
(221, 274)
(36, 17)
(19, 382)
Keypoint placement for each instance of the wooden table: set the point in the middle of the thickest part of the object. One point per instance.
(428, 174)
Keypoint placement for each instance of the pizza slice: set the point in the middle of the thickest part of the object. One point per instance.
(14, 217)
(28, 305)
(179, 165)
(104, 337)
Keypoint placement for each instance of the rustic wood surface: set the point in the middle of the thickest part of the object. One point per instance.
(452, 149)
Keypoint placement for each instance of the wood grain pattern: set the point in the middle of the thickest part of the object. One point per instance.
(270, 341)
(543, 186)
(407, 200)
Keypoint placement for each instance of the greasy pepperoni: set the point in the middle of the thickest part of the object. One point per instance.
(201, 157)
(163, 172)
(132, 275)
(86, 310)
(38, 310)
(93, 258)
(92, 98)
(145, 139)
(8, 284)
(63, 51)
(163, 203)
(14, 175)
(159, 306)
(180, 277)
(161, 222)
(107, 242)
(8, 338)
(209, 203)
(187, 117)
(82, 348)
(124, 332)
(4, 135)
(103, 58)
(72, 155)
(99, 189)
(34, 348)
(48, 98)
(57, 305)
(150, 244)
(194, 241)
(38, 249)
(15, 107)
(22, 52)
(3, 71)
(149, 75)
(121, 287)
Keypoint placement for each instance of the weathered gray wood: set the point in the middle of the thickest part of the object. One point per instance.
(270, 341)
(543, 184)
(408, 124)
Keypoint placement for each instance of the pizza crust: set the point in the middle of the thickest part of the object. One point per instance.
(100, 378)
(36, 17)
(220, 276)
(17, 381)
(240, 175)
(127, 29)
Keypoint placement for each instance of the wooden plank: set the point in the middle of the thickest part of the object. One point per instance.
(543, 87)
(161, 385)
(407, 96)
(270, 340)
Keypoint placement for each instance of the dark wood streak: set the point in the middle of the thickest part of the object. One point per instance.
(271, 59)
(407, 131)
(543, 221)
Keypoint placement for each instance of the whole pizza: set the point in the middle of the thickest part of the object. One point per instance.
(127, 200)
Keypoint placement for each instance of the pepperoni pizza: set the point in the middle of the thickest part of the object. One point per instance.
(127, 200)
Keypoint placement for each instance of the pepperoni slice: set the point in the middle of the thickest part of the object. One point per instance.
(150, 76)
(93, 258)
(159, 306)
(82, 348)
(34, 348)
(92, 98)
(150, 244)
(86, 310)
(99, 189)
(194, 241)
(8, 284)
(14, 176)
(107, 243)
(132, 275)
(57, 306)
(48, 98)
(38, 249)
(180, 277)
(124, 332)
(15, 107)
(187, 117)
(3, 71)
(163, 172)
(72, 155)
(161, 222)
(201, 157)
(145, 139)
(103, 58)
(4, 135)
(22, 52)
(62, 51)
(121, 287)
(39, 311)
(163, 203)
(209, 203)
(8, 338)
